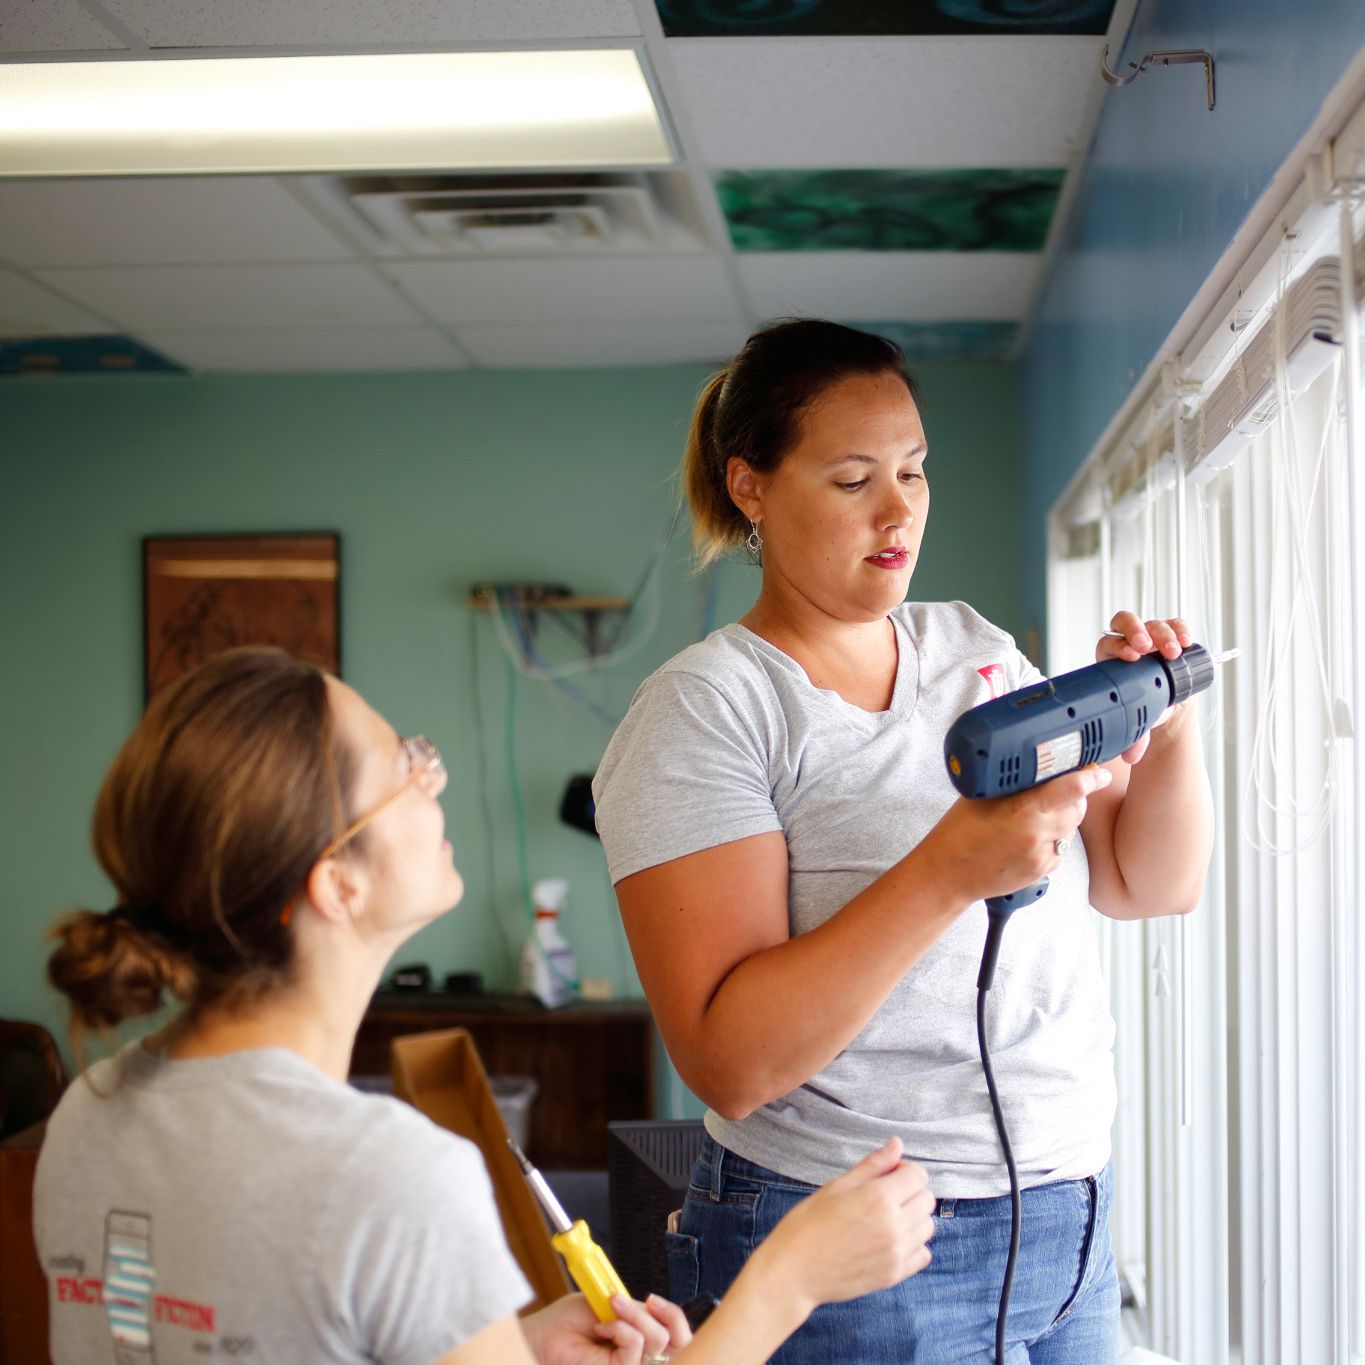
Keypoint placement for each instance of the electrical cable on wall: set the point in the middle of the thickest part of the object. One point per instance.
(592, 663)
(525, 645)
(485, 798)
(646, 593)
(514, 616)
(514, 789)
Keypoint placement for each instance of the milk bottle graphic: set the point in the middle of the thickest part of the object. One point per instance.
(129, 1286)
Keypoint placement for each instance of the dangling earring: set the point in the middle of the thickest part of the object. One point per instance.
(753, 542)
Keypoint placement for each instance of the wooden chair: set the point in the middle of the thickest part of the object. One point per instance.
(32, 1075)
(32, 1078)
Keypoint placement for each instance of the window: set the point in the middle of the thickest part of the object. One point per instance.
(1235, 499)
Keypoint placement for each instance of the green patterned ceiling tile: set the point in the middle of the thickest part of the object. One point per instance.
(774, 18)
(881, 210)
(948, 340)
(81, 355)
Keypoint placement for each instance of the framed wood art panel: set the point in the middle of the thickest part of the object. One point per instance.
(205, 594)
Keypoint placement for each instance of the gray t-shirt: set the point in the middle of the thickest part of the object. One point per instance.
(248, 1207)
(730, 739)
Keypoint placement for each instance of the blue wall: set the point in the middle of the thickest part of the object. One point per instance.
(1166, 188)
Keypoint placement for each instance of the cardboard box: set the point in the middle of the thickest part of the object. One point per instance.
(441, 1074)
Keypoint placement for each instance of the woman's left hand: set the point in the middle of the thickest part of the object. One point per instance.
(568, 1333)
(1129, 638)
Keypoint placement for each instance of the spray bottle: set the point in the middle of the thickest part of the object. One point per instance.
(548, 970)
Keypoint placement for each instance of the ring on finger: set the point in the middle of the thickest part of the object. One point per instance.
(659, 1359)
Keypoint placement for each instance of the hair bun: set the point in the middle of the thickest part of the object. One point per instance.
(141, 918)
(109, 974)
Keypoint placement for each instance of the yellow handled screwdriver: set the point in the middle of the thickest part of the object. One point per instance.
(587, 1262)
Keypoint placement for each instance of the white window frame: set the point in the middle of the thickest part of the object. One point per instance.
(1240, 1137)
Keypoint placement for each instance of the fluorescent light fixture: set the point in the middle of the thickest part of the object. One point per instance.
(395, 112)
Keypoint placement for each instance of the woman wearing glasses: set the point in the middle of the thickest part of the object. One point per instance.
(216, 1189)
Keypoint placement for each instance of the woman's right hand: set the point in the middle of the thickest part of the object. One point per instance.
(1000, 844)
(865, 1230)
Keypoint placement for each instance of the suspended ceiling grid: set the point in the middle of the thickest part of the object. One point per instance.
(905, 179)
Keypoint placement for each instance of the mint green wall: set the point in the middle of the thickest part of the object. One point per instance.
(434, 482)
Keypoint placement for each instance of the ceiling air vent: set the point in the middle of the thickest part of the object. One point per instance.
(519, 215)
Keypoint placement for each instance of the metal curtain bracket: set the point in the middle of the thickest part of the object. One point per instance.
(1160, 59)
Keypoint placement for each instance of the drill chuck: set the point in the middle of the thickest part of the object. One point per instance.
(1192, 672)
(1054, 726)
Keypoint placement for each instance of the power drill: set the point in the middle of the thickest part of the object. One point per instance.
(1052, 727)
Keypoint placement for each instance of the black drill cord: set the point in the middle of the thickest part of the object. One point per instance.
(1015, 1210)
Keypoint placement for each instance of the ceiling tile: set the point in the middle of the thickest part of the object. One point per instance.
(910, 286)
(647, 289)
(52, 26)
(950, 340)
(29, 310)
(745, 19)
(289, 350)
(81, 355)
(663, 343)
(225, 296)
(894, 102)
(158, 221)
(883, 210)
(324, 23)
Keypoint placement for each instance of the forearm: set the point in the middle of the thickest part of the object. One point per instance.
(1163, 833)
(758, 1313)
(784, 1013)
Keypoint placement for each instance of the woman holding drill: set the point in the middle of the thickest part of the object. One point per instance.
(801, 886)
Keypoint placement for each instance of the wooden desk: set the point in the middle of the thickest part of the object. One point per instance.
(593, 1061)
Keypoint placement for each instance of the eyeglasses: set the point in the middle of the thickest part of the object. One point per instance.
(425, 768)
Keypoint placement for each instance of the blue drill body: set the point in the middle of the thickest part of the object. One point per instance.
(1055, 726)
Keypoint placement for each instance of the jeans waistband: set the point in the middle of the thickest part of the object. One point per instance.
(719, 1161)
(1095, 1187)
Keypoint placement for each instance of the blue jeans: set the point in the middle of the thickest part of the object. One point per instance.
(1064, 1306)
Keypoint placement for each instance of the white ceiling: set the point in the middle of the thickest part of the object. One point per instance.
(250, 274)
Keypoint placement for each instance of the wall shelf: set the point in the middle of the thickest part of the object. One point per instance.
(529, 599)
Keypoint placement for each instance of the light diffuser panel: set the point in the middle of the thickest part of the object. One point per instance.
(395, 112)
